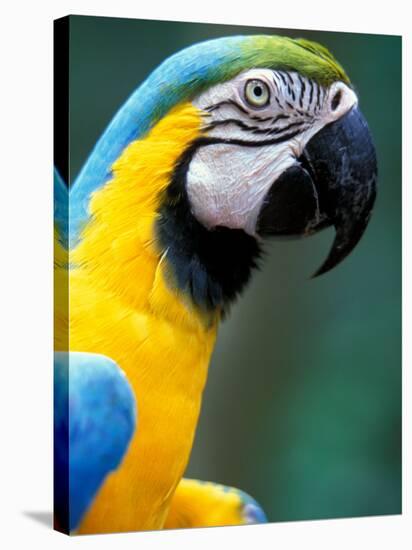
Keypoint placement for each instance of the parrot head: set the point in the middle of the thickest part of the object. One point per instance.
(283, 154)
(282, 150)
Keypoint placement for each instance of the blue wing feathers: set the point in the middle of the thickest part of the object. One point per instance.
(95, 417)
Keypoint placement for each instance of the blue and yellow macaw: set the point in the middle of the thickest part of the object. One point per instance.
(226, 143)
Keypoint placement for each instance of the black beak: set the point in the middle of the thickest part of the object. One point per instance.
(332, 183)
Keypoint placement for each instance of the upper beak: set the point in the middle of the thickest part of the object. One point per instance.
(332, 183)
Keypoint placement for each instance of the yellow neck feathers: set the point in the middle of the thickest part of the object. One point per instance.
(118, 246)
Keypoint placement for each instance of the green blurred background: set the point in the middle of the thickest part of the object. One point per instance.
(303, 403)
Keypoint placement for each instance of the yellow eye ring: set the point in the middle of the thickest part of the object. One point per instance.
(257, 93)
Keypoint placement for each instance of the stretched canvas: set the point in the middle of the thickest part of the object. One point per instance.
(227, 275)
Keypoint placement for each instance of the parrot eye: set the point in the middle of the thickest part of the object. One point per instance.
(257, 93)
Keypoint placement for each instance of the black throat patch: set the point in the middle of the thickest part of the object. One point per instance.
(211, 266)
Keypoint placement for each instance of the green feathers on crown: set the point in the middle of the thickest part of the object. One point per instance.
(294, 54)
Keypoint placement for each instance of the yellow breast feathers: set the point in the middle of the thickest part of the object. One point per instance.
(122, 306)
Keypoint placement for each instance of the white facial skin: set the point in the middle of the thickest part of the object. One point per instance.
(262, 121)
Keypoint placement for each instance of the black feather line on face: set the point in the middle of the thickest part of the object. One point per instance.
(302, 91)
(211, 266)
(283, 78)
(242, 125)
(248, 143)
(302, 125)
(256, 130)
(311, 93)
(230, 102)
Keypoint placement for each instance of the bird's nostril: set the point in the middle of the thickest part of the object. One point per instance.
(336, 100)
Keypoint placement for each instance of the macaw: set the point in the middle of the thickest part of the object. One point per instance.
(227, 143)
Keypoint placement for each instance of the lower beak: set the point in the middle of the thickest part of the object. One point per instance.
(332, 183)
